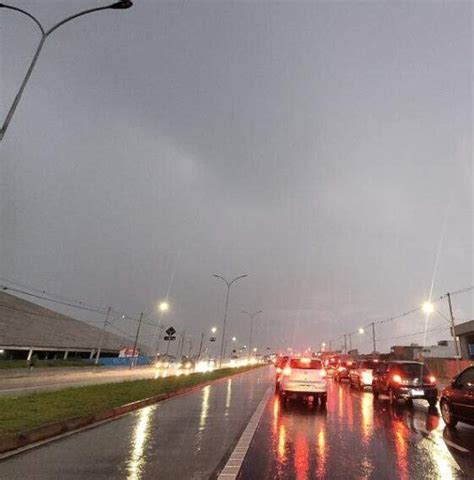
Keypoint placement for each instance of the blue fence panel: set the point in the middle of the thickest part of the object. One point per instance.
(123, 361)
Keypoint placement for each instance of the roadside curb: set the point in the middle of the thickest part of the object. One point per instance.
(10, 444)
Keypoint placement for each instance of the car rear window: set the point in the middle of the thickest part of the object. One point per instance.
(306, 364)
(413, 369)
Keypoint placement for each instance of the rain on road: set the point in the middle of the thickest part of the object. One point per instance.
(183, 438)
(356, 437)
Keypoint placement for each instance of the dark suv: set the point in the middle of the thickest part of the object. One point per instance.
(457, 400)
(405, 379)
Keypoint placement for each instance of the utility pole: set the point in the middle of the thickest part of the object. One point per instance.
(345, 344)
(330, 345)
(136, 340)
(373, 337)
(350, 342)
(160, 334)
(102, 335)
(200, 345)
(251, 316)
(453, 333)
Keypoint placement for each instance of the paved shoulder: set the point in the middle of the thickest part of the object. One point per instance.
(184, 438)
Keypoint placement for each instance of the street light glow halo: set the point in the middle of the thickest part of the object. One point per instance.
(164, 306)
(427, 307)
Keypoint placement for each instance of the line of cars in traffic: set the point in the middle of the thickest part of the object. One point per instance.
(397, 379)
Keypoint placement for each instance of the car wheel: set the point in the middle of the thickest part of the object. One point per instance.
(432, 402)
(449, 419)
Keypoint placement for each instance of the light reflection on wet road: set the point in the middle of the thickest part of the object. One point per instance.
(187, 437)
(356, 438)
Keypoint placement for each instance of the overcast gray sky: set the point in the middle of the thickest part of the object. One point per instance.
(323, 148)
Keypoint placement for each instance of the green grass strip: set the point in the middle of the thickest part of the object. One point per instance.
(24, 412)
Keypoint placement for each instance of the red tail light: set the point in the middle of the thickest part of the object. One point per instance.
(278, 370)
(287, 371)
(397, 379)
(432, 379)
(323, 373)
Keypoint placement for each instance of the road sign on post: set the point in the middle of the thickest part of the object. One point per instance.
(169, 337)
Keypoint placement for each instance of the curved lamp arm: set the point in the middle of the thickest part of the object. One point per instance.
(24, 12)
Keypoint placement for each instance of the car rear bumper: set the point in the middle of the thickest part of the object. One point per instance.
(429, 393)
(304, 387)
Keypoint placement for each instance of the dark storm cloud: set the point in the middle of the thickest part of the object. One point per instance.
(318, 147)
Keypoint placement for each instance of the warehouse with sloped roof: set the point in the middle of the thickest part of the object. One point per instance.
(28, 329)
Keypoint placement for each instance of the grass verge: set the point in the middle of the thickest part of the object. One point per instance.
(18, 414)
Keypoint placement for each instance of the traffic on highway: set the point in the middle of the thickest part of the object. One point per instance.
(395, 431)
(236, 240)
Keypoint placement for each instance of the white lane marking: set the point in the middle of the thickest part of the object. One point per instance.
(234, 463)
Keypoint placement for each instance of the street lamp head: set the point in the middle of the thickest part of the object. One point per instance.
(234, 339)
(164, 306)
(361, 330)
(213, 329)
(428, 307)
(122, 5)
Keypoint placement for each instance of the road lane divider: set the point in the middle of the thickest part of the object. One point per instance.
(237, 457)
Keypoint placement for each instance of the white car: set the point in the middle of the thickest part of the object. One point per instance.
(361, 373)
(304, 377)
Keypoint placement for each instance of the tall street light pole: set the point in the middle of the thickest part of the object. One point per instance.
(229, 284)
(251, 316)
(121, 5)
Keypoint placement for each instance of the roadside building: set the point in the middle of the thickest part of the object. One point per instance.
(465, 333)
(444, 349)
(406, 352)
(28, 329)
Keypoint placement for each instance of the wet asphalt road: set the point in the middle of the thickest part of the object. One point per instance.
(187, 437)
(355, 438)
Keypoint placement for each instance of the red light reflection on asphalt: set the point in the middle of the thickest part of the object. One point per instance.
(301, 457)
(282, 443)
(400, 431)
(321, 454)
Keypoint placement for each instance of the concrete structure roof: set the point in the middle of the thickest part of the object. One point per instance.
(26, 324)
(464, 328)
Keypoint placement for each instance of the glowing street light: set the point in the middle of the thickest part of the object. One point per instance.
(164, 306)
(361, 331)
(213, 329)
(234, 339)
(428, 307)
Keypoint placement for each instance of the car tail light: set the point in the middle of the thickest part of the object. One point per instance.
(340, 369)
(287, 371)
(323, 373)
(432, 379)
(278, 370)
(397, 379)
